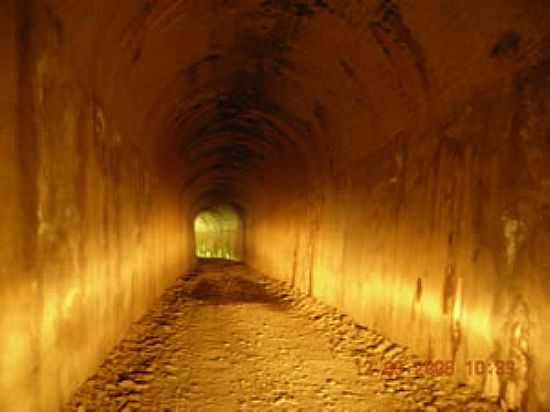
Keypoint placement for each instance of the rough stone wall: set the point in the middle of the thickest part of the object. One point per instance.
(438, 240)
(427, 218)
(89, 238)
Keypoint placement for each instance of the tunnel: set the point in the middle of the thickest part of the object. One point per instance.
(378, 168)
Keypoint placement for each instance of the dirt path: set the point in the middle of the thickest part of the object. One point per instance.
(226, 339)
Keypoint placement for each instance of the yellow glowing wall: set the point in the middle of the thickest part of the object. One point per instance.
(89, 236)
(438, 240)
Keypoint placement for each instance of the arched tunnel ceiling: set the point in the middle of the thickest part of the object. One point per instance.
(226, 90)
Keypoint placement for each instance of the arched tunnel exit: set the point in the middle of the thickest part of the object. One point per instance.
(219, 233)
(387, 167)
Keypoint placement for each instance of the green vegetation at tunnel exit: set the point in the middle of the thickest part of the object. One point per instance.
(218, 233)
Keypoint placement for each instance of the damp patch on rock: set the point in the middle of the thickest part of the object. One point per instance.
(507, 45)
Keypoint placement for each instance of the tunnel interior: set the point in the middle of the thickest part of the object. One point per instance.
(219, 233)
(389, 158)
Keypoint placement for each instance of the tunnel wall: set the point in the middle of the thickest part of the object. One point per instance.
(89, 238)
(437, 238)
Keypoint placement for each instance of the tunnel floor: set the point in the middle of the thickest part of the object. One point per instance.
(225, 338)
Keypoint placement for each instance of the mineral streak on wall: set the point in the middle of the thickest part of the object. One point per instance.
(219, 233)
(391, 158)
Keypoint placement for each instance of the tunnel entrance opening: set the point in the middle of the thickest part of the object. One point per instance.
(218, 233)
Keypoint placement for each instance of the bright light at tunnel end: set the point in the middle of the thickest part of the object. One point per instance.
(218, 233)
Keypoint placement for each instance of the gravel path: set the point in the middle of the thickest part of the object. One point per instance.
(226, 339)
